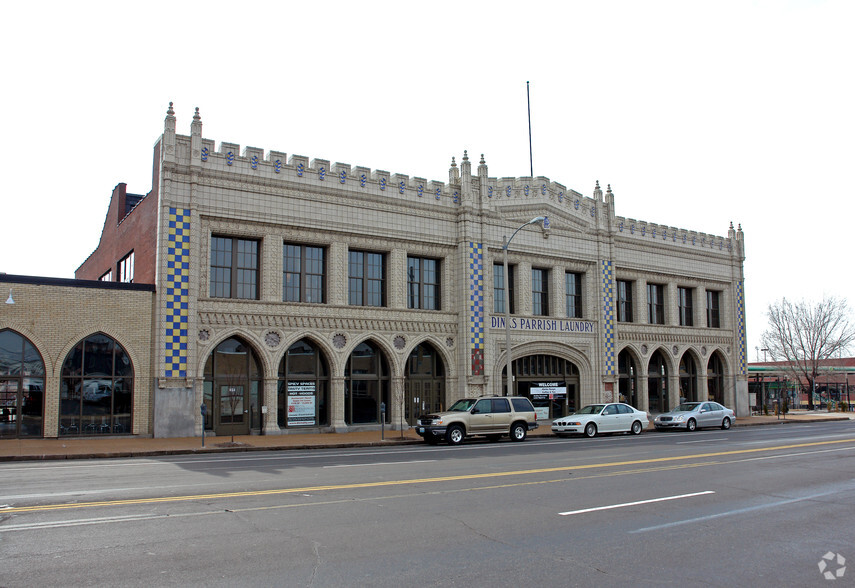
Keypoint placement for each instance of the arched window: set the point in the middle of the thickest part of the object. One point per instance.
(97, 388)
(688, 380)
(22, 384)
(231, 389)
(715, 379)
(366, 385)
(657, 383)
(550, 382)
(304, 384)
(627, 379)
(424, 383)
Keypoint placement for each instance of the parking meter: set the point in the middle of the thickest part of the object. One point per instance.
(204, 410)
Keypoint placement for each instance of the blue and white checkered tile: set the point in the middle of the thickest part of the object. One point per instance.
(177, 293)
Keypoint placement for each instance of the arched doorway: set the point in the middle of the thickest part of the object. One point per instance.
(22, 385)
(657, 383)
(97, 388)
(715, 379)
(424, 383)
(304, 384)
(366, 385)
(627, 379)
(550, 382)
(231, 389)
(688, 379)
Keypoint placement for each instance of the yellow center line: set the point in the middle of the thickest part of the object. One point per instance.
(279, 491)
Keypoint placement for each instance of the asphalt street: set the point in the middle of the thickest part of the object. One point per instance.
(754, 505)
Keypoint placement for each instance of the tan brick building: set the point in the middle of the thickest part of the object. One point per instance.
(75, 357)
(298, 294)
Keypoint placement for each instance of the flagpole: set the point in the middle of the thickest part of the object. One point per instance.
(530, 157)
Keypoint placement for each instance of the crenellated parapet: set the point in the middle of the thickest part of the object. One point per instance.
(630, 228)
(496, 192)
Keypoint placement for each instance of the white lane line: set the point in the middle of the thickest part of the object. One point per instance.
(376, 463)
(737, 511)
(611, 506)
(703, 440)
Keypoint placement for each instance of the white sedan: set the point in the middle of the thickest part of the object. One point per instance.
(614, 417)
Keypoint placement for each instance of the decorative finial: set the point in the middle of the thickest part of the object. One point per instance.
(465, 155)
(453, 164)
(597, 187)
(169, 111)
(609, 188)
(196, 116)
(482, 159)
(731, 225)
(740, 226)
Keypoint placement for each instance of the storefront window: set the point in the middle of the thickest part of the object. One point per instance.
(21, 387)
(366, 386)
(97, 388)
(303, 387)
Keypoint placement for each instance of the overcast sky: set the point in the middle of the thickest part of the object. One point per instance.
(696, 113)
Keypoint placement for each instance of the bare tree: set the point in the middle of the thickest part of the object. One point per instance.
(804, 335)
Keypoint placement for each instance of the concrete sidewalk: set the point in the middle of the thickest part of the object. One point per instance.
(95, 447)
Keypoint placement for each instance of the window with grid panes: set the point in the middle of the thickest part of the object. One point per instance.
(499, 294)
(422, 283)
(684, 301)
(539, 292)
(303, 273)
(234, 268)
(573, 294)
(366, 279)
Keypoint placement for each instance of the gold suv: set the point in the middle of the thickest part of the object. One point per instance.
(491, 416)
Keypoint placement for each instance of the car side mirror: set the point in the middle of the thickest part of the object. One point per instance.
(475, 411)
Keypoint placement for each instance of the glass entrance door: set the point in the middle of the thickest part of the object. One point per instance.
(422, 397)
(232, 410)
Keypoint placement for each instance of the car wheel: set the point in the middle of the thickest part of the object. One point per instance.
(518, 431)
(725, 424)
(636, 428)
(493, 438)
(590, 430)
(455, 435)
(691, 425)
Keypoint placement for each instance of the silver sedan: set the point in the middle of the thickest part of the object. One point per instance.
(694, 415)
(614, 417)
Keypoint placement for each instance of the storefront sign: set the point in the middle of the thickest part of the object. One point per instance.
(546, 325)
(548, 390)
(301, 404)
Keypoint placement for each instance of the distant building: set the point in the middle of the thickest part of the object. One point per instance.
(770, 382)
(299, 295)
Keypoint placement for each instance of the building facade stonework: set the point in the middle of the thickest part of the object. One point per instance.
(271, 201)
(297, 294)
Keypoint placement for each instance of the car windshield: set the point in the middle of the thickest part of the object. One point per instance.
(591, 409)
(688, 406)
(462, 405)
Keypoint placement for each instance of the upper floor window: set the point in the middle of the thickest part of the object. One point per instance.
(573, 294)
(624, 300)
(126, 268)
(684, 302)
(107, 277)
(303, 273)
(366, 279)
(655, 304)
(539, 292)
(499, 294)
(234, 268)
(422, 283)
(713, 317)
